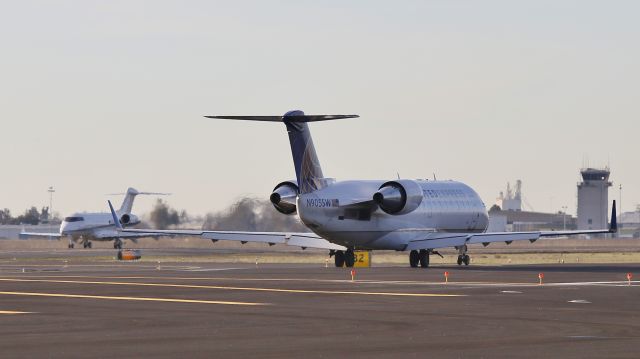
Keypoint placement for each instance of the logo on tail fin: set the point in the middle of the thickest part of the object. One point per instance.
(305, 158)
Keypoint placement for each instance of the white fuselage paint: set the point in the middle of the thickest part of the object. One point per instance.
(447, 206)
(93, 226)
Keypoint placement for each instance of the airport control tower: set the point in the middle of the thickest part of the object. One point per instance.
(593, 198)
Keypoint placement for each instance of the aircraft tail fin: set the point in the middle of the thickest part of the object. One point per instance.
(129, 197)
(613, 226)
(305, 159)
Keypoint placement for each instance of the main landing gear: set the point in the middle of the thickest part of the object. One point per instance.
(117, 244)
(344, 258)
(420, 257)
(86, 244)
(463, 257)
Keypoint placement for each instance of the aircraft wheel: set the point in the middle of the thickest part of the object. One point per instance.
(339, 258)
(349, 258)
(414, 258)
(90, 245)
(71, 245)
(424, 258)
(466, 260)
(460, 260)
(85, 245)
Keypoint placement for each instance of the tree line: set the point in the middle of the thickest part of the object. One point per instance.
(30, 216)
(246, 214)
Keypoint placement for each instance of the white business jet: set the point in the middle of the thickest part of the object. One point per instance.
(87, 227)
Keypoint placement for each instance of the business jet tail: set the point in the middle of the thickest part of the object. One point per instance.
(129, 197)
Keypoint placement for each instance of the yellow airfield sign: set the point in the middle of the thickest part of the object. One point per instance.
(363, 259)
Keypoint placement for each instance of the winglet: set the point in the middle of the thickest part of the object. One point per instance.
(613, 227)
(116, 221)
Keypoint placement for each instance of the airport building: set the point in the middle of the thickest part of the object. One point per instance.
(507, 215)
(593, 198)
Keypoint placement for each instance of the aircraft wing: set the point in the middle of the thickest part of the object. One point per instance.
(441, 240)
(303, 240)
(26, 235)
(111, 233)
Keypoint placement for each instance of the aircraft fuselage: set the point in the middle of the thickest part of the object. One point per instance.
(446, 206)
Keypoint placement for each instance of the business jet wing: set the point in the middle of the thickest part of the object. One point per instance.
(303, 240)
(25, 235)
(441, 240)
(112, 233)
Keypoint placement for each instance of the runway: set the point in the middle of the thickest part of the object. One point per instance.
(140, 309)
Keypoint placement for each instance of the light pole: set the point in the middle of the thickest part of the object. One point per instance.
(51, 191)
(620, 206)
(564, 218)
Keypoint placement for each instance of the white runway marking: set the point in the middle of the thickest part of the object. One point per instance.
(579, 301)
(466, 285)
(510, 292)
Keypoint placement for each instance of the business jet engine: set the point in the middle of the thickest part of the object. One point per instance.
(129, 219)
(399, 197)
(284, 197)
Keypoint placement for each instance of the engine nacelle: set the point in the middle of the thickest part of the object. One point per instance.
(399, 197)
(284, 197)
(129, 219)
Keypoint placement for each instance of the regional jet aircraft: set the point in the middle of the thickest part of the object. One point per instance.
(418, 216)
(86, 227)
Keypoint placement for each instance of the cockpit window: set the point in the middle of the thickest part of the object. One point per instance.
(74, 219)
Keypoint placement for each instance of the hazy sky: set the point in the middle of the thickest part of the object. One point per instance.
(96, 96)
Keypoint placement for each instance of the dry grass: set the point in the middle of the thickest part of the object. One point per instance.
(542, 252)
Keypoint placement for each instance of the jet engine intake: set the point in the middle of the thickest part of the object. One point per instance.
(399, 197)
(284, 197)
(125, 219)
(129, 219)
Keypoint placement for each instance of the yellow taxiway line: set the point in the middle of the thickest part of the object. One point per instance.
(276, 290)
(13, 312)
(143, 299)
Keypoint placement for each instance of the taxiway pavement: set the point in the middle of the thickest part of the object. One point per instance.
(140, 309)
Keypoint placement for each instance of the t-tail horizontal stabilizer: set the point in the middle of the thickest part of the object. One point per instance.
(305, 160)
(289, 117)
